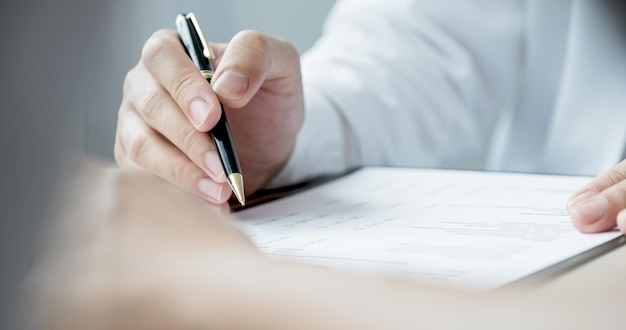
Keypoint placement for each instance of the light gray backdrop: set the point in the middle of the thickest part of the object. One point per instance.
(62, 64)
(125, 25)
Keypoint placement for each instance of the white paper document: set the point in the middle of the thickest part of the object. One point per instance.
(475, 230)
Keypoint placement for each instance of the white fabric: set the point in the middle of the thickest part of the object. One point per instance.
(417, 83)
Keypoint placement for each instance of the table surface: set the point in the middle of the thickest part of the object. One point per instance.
(606, 271)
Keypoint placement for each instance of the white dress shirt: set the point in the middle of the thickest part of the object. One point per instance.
(418, 83)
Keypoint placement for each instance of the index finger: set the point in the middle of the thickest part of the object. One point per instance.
(164, 57)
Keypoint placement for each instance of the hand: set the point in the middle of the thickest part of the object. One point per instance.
(127, 251)
(601, 204)
(168, 107)
(130, 252)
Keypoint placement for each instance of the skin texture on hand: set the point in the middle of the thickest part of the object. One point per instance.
(128, 251)
(601, 204)
(168, 108)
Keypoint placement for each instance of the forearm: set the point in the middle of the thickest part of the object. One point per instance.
(294, 296)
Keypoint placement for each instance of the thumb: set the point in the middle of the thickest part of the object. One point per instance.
(248, 61)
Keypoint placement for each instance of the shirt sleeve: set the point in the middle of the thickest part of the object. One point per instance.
(405, 83)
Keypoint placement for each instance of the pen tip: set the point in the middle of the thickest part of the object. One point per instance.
(236, 184)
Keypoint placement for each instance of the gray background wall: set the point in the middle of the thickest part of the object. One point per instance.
(62, 64)
(121, 27)
(125, 25)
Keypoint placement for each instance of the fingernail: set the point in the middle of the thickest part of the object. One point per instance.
(591, 211)
(580, 197)
(199, 111)
(231, 85)
(210, 188)
(214, 164)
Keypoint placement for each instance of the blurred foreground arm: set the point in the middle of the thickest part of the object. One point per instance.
(127, 251)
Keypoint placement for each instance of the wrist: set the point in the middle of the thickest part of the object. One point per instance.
(318, 153)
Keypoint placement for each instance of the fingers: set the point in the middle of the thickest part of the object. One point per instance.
(161, 113)
(601, 204)
(139, 144)
(250, 60)
(155, 135)
(168, 106)
(164, 57)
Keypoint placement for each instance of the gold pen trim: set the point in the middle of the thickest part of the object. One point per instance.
(206, 51)
(235, 181)
(207, 74)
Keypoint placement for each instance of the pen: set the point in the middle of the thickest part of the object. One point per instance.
(200, 53)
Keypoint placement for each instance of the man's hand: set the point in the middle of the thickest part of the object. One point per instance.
(168, 107)
(601, 204)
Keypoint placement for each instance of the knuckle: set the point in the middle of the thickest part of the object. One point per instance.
(620, 192)
(616, 196)
(291, 52)
(254, 41)
(614, 177)
(179, 170)
(286, 44)
(137, 146)
(153, 47)
(150, 102)
(294, 53)
(188, 137)
(181, 84)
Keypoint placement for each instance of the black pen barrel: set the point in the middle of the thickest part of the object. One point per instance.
(225, 146)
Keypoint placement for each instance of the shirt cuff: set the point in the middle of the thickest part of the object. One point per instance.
(323, 145)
